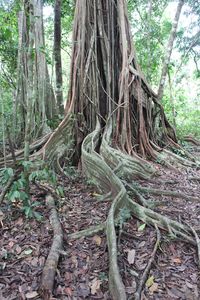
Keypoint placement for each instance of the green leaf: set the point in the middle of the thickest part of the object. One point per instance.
(14, 195)
(150, 281)
(141, 227)
(28, 251)
(37, 215)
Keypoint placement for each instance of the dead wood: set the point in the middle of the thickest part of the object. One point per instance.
(50, 268)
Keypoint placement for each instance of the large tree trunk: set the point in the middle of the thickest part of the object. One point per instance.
(44, 106)
(114, 120)
(57, 56)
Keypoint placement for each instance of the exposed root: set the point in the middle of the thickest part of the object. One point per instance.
(198, 243)
(194, 178)
(87, 232)
(116, 285)
(192, 140)
(97, 167)
(159, 192)
(19, 155)
(148, 267)
(50, 267)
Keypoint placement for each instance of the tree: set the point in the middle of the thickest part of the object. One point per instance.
(168, 53)
(57, 55)
(115, 120)
(43, 107)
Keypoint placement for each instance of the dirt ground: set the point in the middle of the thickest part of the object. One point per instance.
(83, 267)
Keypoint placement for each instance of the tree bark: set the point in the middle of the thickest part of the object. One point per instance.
(57, 55)
(168, 52)
(44, 106)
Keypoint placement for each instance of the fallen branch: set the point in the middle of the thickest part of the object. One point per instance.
(50, 267)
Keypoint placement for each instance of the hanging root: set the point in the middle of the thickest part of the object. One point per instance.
(95, 165)
(50, 267)
(148, 267)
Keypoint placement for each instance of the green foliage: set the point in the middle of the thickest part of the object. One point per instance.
(17, 194)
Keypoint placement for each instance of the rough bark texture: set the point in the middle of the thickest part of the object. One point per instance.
(57, 55)
(113, 122)
(107, 83)
(44, 106)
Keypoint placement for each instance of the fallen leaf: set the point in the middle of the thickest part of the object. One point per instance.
(95, 285)
(19, 221)
(142, 244)
(10, 244)
(189, 285)
(97, 240)
(150, 281)
(177, 260)
(131, 256)
(68, 291)
(28, 251)
(153, 288)
(18, 249)
(31, 295)
(141, 227)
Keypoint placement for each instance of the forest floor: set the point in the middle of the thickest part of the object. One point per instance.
(83, 267)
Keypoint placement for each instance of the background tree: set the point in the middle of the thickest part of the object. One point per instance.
(57, 55)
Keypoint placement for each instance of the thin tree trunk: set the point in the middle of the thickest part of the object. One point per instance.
(172, 100)
(28, 9)
(57, 55)
(169, 50)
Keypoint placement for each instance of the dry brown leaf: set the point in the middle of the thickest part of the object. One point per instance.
(131, 256)
(97, 240)
(68, 291)
(95, 285)
(18, 249)
(153, 288)
(177, 260)
(31, 295)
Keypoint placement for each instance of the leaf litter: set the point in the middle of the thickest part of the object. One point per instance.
(83, 267)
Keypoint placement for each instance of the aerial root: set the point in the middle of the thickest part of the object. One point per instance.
(49, 271)
(148, 267)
